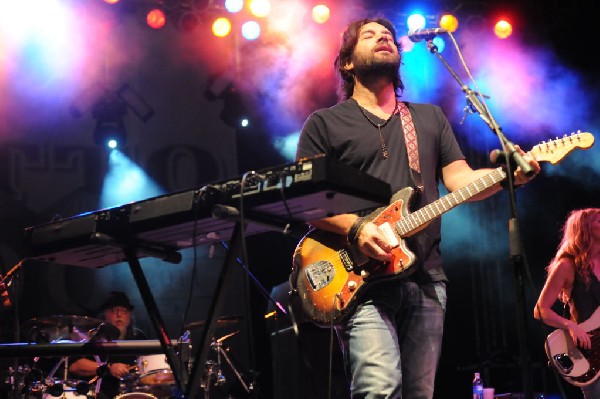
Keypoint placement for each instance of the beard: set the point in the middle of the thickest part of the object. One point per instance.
(371, 69)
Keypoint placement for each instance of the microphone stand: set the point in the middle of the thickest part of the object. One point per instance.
(512, 157)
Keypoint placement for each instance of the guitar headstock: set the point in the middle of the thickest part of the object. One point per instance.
(554, 151)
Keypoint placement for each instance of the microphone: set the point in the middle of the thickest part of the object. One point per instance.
(416, 34)
(104, 332)
(497, 156)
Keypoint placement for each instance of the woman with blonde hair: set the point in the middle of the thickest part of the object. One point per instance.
(574, 278)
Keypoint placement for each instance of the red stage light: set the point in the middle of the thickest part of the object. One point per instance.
(156, 18)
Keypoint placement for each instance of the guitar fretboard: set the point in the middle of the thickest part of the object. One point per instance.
(429, 212)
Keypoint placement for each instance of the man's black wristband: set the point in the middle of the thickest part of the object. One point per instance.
(102, 370)
(355, 230)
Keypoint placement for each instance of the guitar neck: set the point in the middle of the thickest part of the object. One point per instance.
(431, 211)
(552, 151)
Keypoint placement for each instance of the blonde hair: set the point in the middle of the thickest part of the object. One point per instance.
(576, 242)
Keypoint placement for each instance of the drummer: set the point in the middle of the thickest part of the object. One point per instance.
(116, 310)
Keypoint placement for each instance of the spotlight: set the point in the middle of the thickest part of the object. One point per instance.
(187, 20)
(251, 30)
(185, 17)
(234, 6)
(156, 18)
(449, 22)
(260, 8)
(321, 13)
(110, 128)
(221, 27)
(503, 29)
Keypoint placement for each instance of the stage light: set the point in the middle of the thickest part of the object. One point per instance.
(251, 30)
(110, 127)
(440, 43)
(156, 18)
(416, 21)
(234, 6)
(260, 8)
(187, 20)
(235, 112)
(111, 1)
(449, 22)
(503, 29)
(221, 27)
(321, 13)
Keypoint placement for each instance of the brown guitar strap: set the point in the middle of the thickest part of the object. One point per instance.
(412, 146)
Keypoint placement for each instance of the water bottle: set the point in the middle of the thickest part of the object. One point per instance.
(477, 387)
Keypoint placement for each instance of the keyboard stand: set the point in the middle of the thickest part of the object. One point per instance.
(214, 311)
(155, 317)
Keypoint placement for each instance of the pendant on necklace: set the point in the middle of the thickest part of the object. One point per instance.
(384, 150)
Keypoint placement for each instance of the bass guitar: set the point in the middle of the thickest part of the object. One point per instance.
(579, 367)
(329, 274)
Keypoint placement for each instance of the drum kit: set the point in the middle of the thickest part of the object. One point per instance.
(151, 377)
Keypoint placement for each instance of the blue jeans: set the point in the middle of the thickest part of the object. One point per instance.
(591, 391)
(392, 342)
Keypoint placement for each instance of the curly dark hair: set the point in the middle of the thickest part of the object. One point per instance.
(349, 40)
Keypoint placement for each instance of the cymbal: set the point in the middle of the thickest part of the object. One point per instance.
(81, 322)
(221, 322)
(59, 327)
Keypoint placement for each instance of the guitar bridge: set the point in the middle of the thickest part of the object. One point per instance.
(320, 274)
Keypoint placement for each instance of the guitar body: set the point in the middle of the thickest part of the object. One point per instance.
(577, 367)
(329, 274)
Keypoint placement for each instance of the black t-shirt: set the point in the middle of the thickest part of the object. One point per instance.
(585, 299)
(344, 133)
(109, 385)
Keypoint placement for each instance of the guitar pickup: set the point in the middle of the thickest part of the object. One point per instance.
(389, 234)
(564, 362)
(320, 274)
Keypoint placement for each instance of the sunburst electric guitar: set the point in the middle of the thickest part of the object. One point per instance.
(329, 275)
(579, 367)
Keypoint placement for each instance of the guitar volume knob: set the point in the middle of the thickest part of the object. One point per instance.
(352, 285)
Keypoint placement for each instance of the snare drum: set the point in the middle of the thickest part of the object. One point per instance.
(136, 395)
(154, 370)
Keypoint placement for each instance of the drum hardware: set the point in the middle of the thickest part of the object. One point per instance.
(68, 389)
(213, 371)
(64, 387)
(26, 380)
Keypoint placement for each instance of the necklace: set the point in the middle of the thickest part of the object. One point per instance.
(384, 150)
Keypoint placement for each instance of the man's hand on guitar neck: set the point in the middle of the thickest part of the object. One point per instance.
(520, 177)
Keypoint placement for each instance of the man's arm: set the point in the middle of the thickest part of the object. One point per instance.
(458, 174)
(83, 367)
